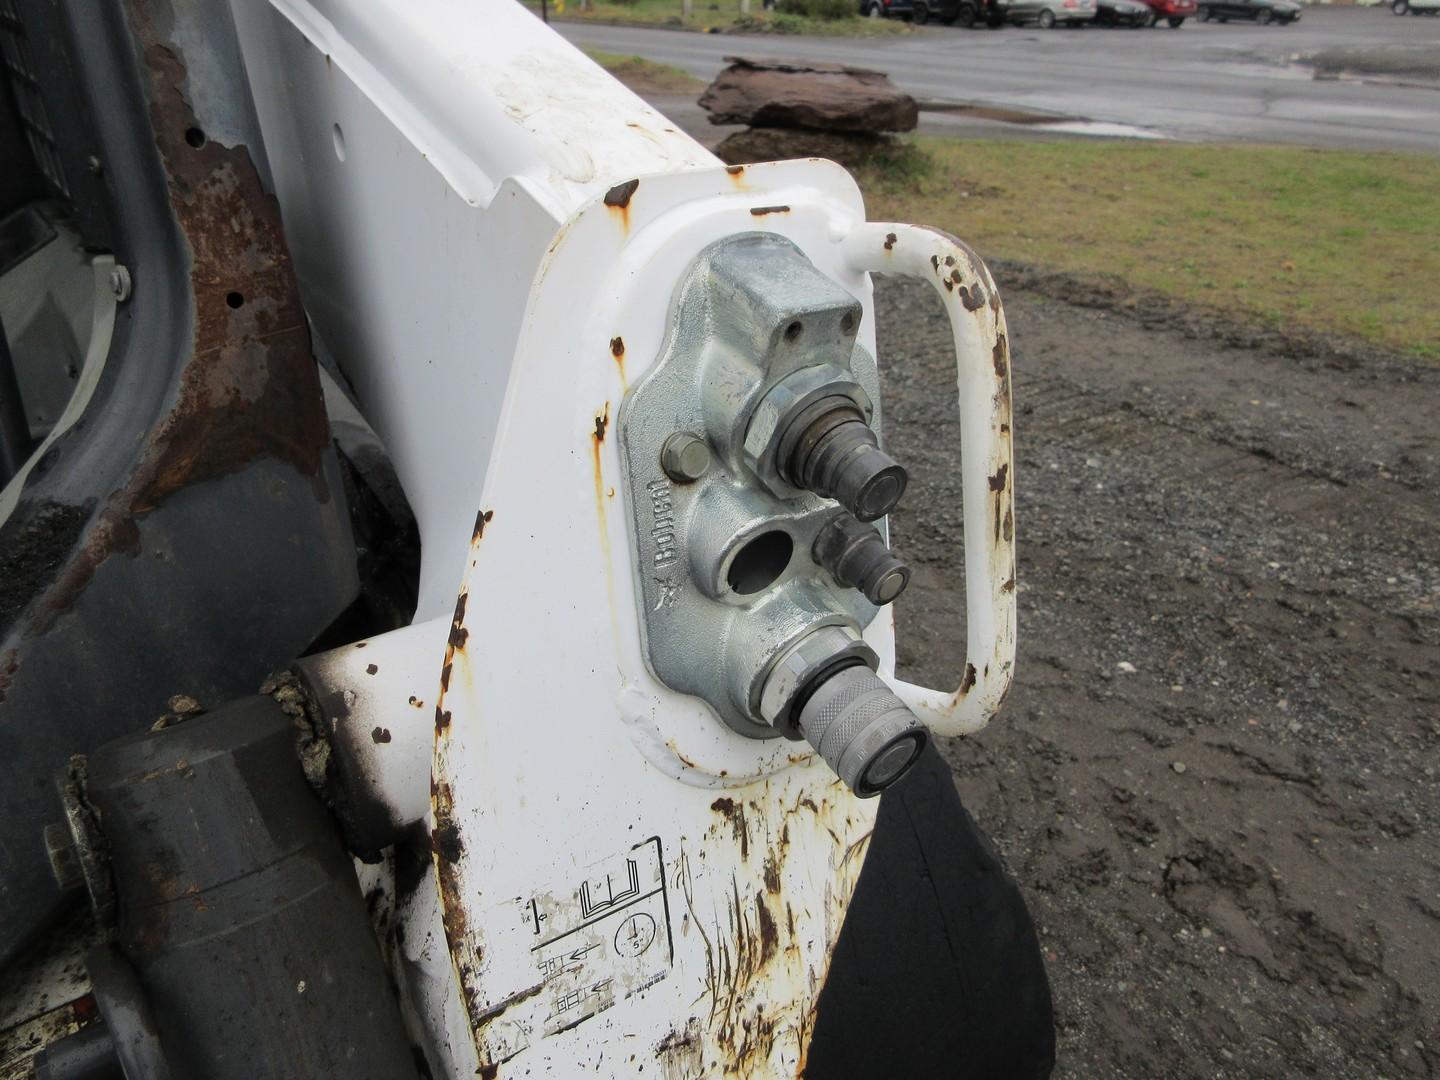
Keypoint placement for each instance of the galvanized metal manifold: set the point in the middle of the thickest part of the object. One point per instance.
(753, 457)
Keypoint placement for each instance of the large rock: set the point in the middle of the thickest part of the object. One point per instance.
(809, 95)
(848, 148)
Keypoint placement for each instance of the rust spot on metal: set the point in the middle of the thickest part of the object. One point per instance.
(968, 682)
(972, 299)
(617, 350)
(442, 719)
(380, 735)
(949, 285)
(445, 842)
(602, 422)
(371, 669)
(249, 389)
(361, 644)
(618, 200)
(735, 170)
(482, 518)
(997, 482)
(949, 260)
(458, 634)
(1004, 429)
(1009, 586)
(445, 674)
(761, 211)
(734, 812)
(772, 873)
(619, 196)
(769, 934)
(1009, 530)
(998, 357)
(890, 241)
(935, 263)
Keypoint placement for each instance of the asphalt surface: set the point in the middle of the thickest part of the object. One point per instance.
(1202, 82)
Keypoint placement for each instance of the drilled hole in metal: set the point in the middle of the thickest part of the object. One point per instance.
(792, 332)
(760, 562)
(235, 299)
(195, 137)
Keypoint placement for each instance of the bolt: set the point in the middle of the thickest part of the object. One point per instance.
(685, 457)
(856, 556)
(64, 862)
(120, 283)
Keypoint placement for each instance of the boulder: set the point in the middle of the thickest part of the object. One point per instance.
(851, 149)
(807, 95)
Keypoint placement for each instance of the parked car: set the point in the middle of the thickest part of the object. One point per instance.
(1261, 11)
(1123, 13)
(878, 9)
(966, 13)
(1174, 12)
(1048, 13)
(1415, 7)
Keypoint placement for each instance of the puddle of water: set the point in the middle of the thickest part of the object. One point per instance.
(1100, 129)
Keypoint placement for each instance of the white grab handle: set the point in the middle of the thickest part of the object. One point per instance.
(982, 358)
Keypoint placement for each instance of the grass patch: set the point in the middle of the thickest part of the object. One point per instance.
(722, 16)
(646, 76)
(1317, 239)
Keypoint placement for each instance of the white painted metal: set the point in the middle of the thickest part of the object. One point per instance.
(620, 875)
(424, 153)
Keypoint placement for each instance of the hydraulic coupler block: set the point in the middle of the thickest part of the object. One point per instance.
(759, 417)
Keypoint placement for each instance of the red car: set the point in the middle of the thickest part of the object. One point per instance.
(1174, 12)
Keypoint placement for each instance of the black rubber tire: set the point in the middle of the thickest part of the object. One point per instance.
(875, 11)
(966, 16)
(920, 15)
(1203, 14)
(1045, 20)
(1399, 7)
(1175, 23)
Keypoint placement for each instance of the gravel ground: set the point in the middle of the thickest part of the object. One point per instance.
(1216, 778)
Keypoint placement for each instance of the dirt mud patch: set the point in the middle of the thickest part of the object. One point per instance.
(1216, 778)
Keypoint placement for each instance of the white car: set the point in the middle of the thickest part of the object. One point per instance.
(1415, 7)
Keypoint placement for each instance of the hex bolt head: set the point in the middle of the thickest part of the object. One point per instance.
(120, 283)
(685, 457)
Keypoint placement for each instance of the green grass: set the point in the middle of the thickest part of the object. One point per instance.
(1314, 239)
(720, 16)
(646, 76)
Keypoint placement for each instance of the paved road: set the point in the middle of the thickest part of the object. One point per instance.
(1201, 82)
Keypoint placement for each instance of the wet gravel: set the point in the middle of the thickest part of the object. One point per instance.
(1216, 778)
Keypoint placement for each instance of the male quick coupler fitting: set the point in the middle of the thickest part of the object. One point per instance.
(858, 557)
(829, 449)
